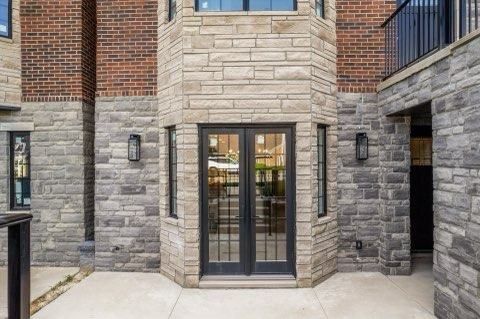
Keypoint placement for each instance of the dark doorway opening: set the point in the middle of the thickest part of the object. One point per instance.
(421, 184)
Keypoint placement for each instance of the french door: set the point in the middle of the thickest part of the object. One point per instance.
(247, 200)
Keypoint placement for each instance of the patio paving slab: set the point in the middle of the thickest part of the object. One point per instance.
(42, 279)
(368, 296)
(146, 296)
(106, 295)
(419, 285)
(248, 303)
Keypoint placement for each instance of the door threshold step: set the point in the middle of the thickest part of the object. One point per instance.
(256, 281)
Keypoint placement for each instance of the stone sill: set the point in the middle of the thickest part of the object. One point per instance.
(171, 220)
(17, 126)
(6, 40)
(20, 211)
(325, 220)
(427, 62)
(244, 13)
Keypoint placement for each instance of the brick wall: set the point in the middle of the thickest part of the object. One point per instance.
(127, 47)
(58, 49)
(361, 43)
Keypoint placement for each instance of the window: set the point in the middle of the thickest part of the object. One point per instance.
(172, 9)
(245, 5)
(6, 18)
(322, 170)
(172, 171)
(320, 8)
(20, 170)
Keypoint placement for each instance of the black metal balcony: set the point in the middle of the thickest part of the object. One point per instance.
(419, 27)
(18, 264)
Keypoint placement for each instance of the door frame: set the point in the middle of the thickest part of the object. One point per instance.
(246, 206)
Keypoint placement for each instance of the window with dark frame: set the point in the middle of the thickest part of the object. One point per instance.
(6, 18)
(20, 194)
(322, 170)
(172, 9)
(320, 8)
(245, 5)
(172, 171)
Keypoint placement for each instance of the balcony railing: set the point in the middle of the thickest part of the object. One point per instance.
(420, 27)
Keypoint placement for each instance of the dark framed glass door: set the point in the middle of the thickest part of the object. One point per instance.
(247, 200)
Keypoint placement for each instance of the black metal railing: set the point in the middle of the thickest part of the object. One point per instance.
(419, 27)
(18, 264)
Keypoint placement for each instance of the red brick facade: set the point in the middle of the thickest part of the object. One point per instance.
(361, 43)
(127, 47)
(58, 50)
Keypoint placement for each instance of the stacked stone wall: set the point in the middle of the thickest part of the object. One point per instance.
(127, 224)
(452, 85)
(358, 184)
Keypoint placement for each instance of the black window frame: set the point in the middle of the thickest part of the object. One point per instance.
(172, 9)
(172, 168)
(322, 210)
(246, 7)
(9, 22)
(320, 4)
(13, 204)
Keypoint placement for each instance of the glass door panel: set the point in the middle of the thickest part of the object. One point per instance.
(271, 209)
(223, 198)
(223, 201)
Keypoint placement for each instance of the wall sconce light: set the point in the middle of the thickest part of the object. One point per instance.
(362, 146)
(134, 147)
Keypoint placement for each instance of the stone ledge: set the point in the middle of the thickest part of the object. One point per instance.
(245, 13)
(427, 62)
(17, 127)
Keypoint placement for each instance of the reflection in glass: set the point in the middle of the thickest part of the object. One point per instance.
(223, 198)
(172, 161)
(4, 18)
(270, 199)
(271, 5)
(21, 170)
(220, 5)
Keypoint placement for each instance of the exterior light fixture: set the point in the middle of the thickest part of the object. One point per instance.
(362, 146)
(134, 148)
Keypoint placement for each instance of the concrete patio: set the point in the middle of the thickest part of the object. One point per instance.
(43, 279)
(345, 295)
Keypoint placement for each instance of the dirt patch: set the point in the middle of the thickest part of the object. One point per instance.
(57, 290)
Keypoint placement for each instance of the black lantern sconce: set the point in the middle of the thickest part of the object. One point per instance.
(134, 148)
(362, 146)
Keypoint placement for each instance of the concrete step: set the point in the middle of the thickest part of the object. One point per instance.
(244, 282)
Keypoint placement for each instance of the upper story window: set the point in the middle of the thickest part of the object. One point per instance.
(6, 18)
(20, 170)
(172, 9)
(320, 8)
(245, 5)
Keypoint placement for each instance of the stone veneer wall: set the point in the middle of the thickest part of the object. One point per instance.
(10, 65)
(324, 111)
(127, 226)
(358, 183)
(247, 68)
(453, 86)
(61, 181)
(170, 99)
